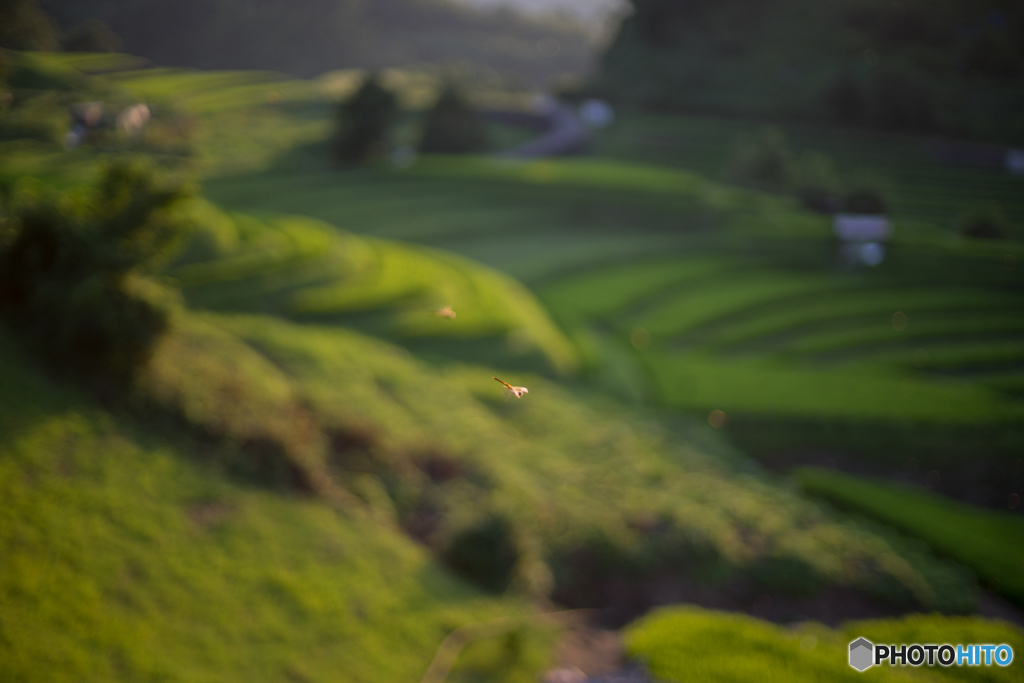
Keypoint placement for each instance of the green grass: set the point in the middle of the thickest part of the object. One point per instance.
(552, 461)
(690, 644)
(782, 315)
(126, 557)
(307, 270)
(727, 291)
(755, 386)
(611, 290)
(990, 543)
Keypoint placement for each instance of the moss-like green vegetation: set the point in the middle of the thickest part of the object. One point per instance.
(689, 644)
(308, 270)
(548, 465)
(128, 557)
(992, 544)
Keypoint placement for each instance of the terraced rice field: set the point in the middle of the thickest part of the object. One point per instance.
(920, 186)
(676, 290)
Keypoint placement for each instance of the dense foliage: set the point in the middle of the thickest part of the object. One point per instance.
(68, 271)
(452, 126)
(24, 26)
(365, 121)
(950, 66)
(766, 161)
(92, 35)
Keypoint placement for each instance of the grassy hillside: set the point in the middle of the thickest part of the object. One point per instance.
(686, 644)
(307, 385)
(129, 556)
(746, 305)
(310, 271)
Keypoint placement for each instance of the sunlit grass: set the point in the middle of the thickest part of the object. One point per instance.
(725, 292)
(126, 557)
(308, 270)
(610, 290)
(690, 644)
(768, 387)
(553, 461)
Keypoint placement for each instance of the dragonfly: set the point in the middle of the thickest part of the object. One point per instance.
(515, 391)
(445, 312)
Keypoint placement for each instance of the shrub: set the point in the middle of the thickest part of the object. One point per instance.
(36, 118)
(763, 161)
(485, 553)
(69, 272)
(816, 183)
(5, 69)
(985, 221)
(364, 122)
(24, 26)
(862, 198)
(452, 127)
(92, 35)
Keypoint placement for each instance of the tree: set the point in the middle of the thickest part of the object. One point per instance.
(365, 120)
(69, 272)
(92, 35)
(983, 221)
(23, 26)
(453, 127)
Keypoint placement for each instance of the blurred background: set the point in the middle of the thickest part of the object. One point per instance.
(757, 262)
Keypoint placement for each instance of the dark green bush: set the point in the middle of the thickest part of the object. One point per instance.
(5, 70)
(40, 118)
(365, 120)
(985, 221)
(788, 576)
(864, 199)
(485, 553)
(24, 26)
(91, 35)
(816, 182)
(69, 272)
(764, 160)
(767, 162)
(453, 126)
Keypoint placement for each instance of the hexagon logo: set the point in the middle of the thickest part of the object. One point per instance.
(861, 654)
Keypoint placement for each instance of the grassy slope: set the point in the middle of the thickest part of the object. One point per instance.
(125, 558)
(989, 543)
(307, 270)
(542, 453)
(687, 644)
(551, 462)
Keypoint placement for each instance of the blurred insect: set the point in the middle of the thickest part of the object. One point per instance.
(515, 391)
(445, 312)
